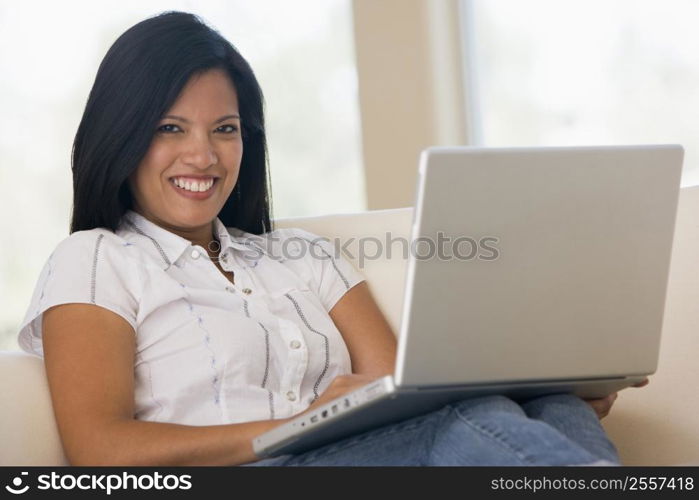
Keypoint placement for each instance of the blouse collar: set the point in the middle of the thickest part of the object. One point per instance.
(171, 246)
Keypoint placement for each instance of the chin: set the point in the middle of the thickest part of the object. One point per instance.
(193, 218)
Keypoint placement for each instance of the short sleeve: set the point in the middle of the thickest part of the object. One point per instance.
(88, 267)
(332, 274)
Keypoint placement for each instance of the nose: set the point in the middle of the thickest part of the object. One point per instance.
(199, 152)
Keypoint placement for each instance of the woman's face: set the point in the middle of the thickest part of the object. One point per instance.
(197, 142)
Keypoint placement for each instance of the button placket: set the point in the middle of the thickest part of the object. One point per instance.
(252, 284)
(224, 261)
(243, 283)
(297, 363)
(197, 253)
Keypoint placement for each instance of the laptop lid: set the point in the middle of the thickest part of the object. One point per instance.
(538, 263)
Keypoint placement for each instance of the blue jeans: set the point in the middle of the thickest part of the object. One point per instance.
(559, 429)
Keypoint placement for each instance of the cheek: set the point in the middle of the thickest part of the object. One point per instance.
(154, 163)
(232, 157)
(236, 152)
(140, 184)
(147, 176)
(158, 157)
(239, 159)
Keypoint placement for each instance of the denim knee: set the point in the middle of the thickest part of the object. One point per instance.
(576, 419)
(566, 398)
(486, 404)
(495, 430)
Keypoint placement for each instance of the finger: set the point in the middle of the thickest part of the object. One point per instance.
(642, 383)
(607, 402)
(601, 410)
(602, 406)
(598, 405)
(611, 398)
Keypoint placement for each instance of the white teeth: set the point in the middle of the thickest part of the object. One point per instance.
(193, 186)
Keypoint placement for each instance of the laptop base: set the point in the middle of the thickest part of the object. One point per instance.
(381, 403)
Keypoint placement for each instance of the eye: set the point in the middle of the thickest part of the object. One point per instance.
(162, 128)
(230, 129)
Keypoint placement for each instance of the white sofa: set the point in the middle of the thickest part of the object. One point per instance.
(655, 425)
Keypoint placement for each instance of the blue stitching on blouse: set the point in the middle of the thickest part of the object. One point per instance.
(150, 381)
(327, 345)
(207, 338)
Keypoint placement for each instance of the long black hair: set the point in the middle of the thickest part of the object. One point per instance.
(138, 80)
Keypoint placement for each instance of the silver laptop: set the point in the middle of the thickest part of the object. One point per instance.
(551, 278)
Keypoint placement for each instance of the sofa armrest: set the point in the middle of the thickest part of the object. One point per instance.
(28, 431)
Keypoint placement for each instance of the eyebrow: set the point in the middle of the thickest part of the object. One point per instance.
(223, 118)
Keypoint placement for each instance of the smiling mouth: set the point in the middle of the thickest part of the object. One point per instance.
(194, 186)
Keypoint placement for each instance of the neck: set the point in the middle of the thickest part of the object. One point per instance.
(204, 238)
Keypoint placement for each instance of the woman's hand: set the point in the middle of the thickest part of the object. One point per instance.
(339, 386)
(603, 406)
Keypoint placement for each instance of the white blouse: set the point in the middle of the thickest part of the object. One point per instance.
(208, 351)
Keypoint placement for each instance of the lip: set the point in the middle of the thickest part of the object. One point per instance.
(195, 177)
(203, 195)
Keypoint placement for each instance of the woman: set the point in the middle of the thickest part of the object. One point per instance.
(176, 324)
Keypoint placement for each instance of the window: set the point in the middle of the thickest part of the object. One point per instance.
(547, 72)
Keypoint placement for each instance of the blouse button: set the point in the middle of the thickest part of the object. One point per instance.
(247, 291)
(295, 344)
(230, 289)
(195, 254)
(291, 396)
